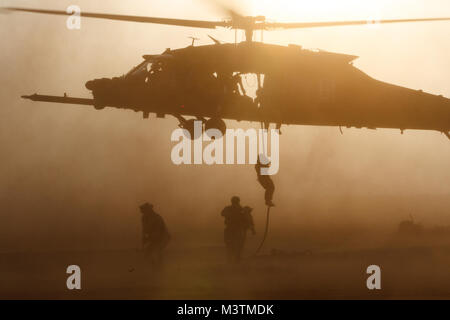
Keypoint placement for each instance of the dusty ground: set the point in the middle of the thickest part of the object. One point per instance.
(193, 272)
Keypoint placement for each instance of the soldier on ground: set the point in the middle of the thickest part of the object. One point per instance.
(155, 235)
(237, 221)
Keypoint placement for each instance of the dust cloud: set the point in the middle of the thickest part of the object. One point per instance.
(72, 178)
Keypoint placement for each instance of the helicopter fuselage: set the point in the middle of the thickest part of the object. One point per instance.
(299, 87)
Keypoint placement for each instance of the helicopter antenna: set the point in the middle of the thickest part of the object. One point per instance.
(214, 39)
(193, 40)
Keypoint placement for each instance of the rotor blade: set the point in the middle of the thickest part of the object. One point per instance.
(300, 25)
(174, 22)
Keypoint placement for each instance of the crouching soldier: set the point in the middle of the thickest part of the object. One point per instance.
(155, 235)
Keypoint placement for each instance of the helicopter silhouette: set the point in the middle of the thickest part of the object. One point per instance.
(295, 86)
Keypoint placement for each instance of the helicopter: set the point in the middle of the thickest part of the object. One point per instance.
(295, 86)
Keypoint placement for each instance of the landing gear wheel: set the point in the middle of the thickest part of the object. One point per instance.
(215, 123)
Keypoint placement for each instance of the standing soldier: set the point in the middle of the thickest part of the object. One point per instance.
(248, 218)
(237, 223)
(155, 235)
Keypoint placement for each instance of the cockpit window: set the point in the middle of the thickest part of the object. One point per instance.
(143, 68)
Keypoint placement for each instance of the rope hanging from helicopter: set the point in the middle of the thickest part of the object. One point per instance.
(266, 229)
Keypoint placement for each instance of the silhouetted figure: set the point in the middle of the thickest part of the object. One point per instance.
(237, 222)
(238, 85)
(248, 218)
(155, 235)
(265, 181)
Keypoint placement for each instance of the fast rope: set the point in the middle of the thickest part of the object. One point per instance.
(263, 136)
(265, 231)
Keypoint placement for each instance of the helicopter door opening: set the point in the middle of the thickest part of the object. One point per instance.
(249, 84)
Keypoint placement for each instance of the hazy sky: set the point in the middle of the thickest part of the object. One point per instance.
(57, 155)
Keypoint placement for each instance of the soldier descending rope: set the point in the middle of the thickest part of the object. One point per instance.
(265, 180)
(267, 183)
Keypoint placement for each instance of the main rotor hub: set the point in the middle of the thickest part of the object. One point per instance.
(249, 24)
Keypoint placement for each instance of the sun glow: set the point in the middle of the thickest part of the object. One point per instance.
(305, 10)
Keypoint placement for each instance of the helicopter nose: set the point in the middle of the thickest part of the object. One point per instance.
(90, 85)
